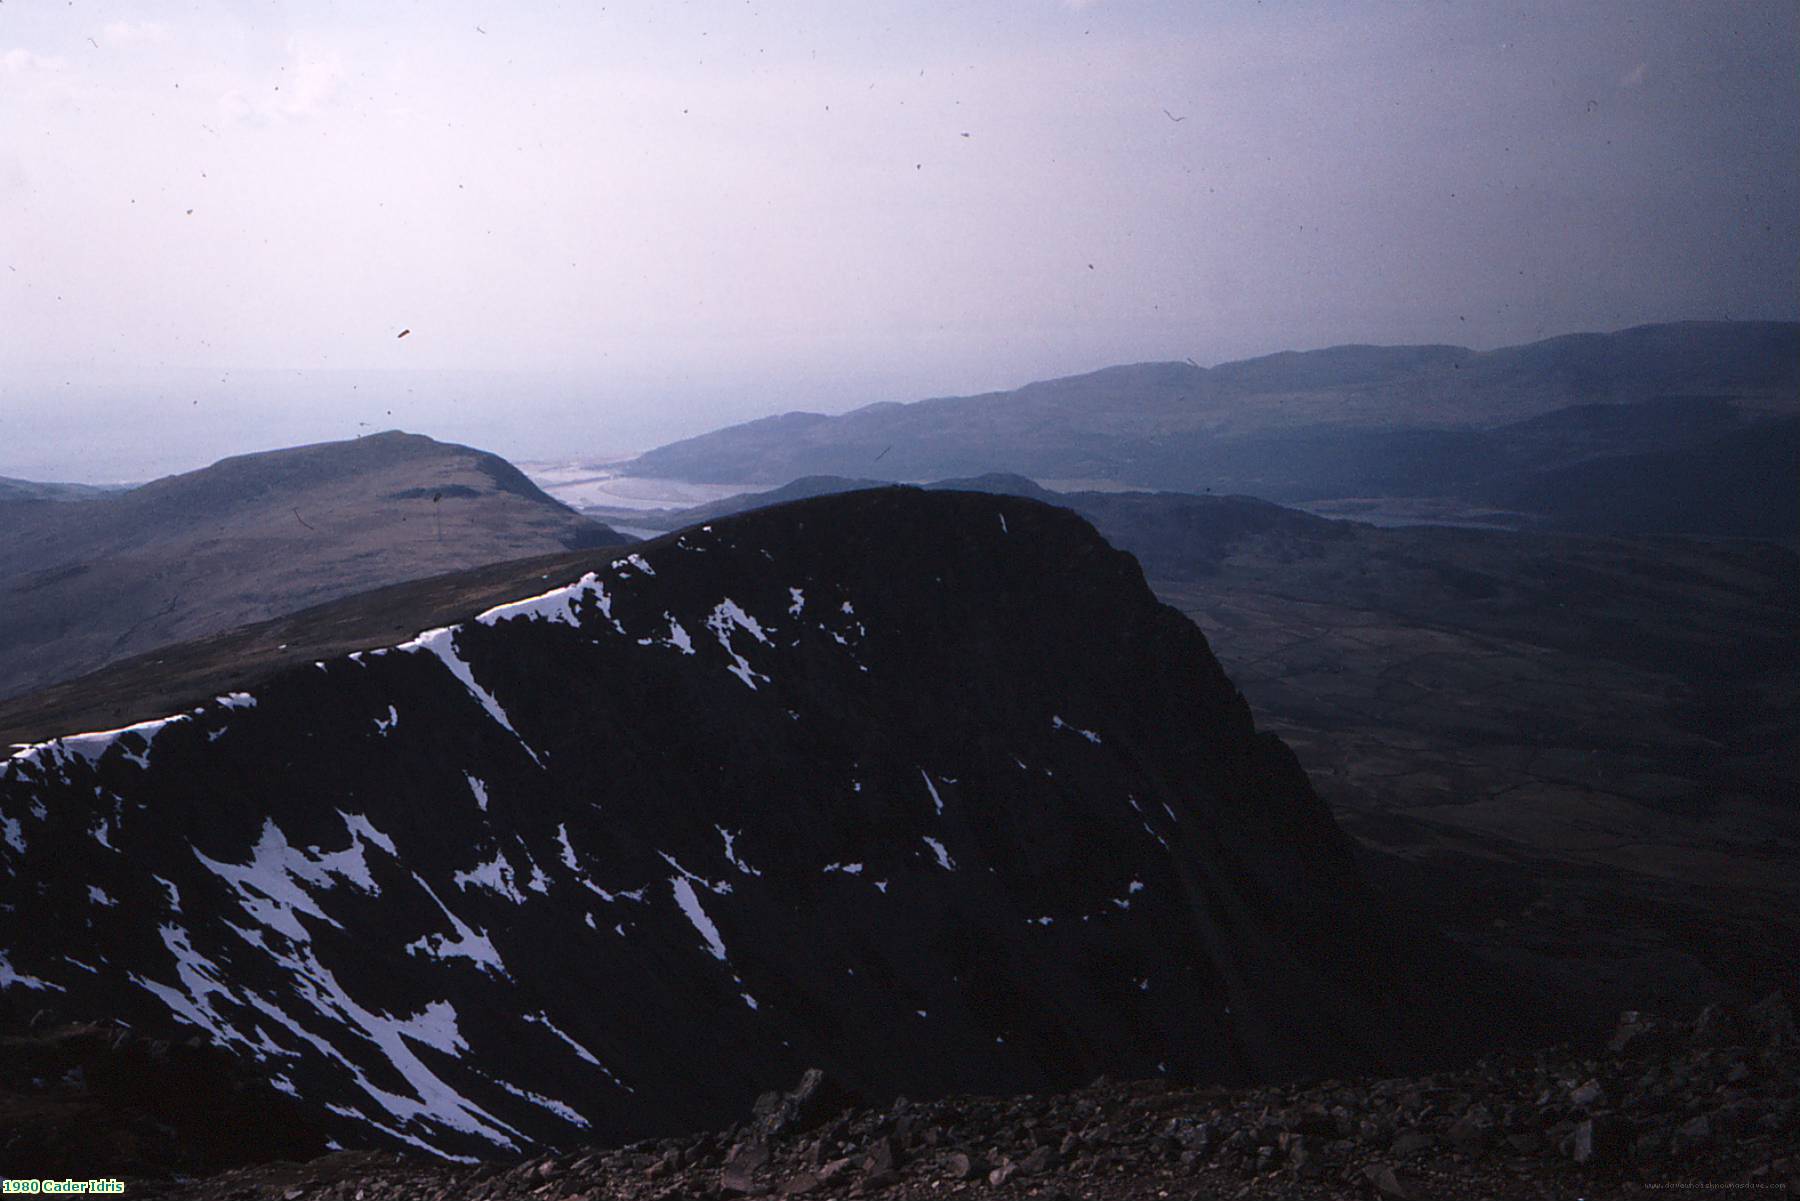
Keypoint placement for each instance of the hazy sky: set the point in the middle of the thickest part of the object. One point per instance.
(612, 225)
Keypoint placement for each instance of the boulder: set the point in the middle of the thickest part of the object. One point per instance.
(815, 1099)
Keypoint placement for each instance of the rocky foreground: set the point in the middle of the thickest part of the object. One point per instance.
(1706, 1105)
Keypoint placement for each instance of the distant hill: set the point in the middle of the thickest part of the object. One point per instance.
(12, 489)
(252, 537)
(1353, 421)
(1744, 483)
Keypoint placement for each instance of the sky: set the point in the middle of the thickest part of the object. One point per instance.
(606, 226)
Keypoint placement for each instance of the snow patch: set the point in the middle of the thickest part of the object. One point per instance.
(270, 887)
(721, 887)
(543, 1019)
(557, 605)
(568, 850)
(690, 905)
(469, 943)
(442, 643)
(542, 1102)
(731, 855)
(200, 981)
(10, 977)
(496, 875)
(91, 746)
(1060, 724)
(361, 827)
(726, 616)
(937, 802)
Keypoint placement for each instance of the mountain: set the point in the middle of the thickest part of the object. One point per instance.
(1745, 483)
(1575, 752)
(925, 789)
(1357, 421)
(12, 489)
(254, 536)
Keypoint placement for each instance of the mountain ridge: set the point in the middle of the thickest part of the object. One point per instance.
(829, 783)
(1346, 422)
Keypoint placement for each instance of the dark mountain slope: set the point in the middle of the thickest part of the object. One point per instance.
(1577, 752)
(254, 536)
(1743, 484)
(1590, 431)
(923, 788)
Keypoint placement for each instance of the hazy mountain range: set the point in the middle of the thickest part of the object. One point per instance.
(11, 489)
(1701, 416)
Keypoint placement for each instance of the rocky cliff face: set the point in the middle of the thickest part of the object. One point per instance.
(925, 789)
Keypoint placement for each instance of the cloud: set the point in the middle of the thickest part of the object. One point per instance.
(1635, 76)
(305, 86)
(1079, 5)
(18, 61)
(126, 33)
(311, 82)
(13, 178)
